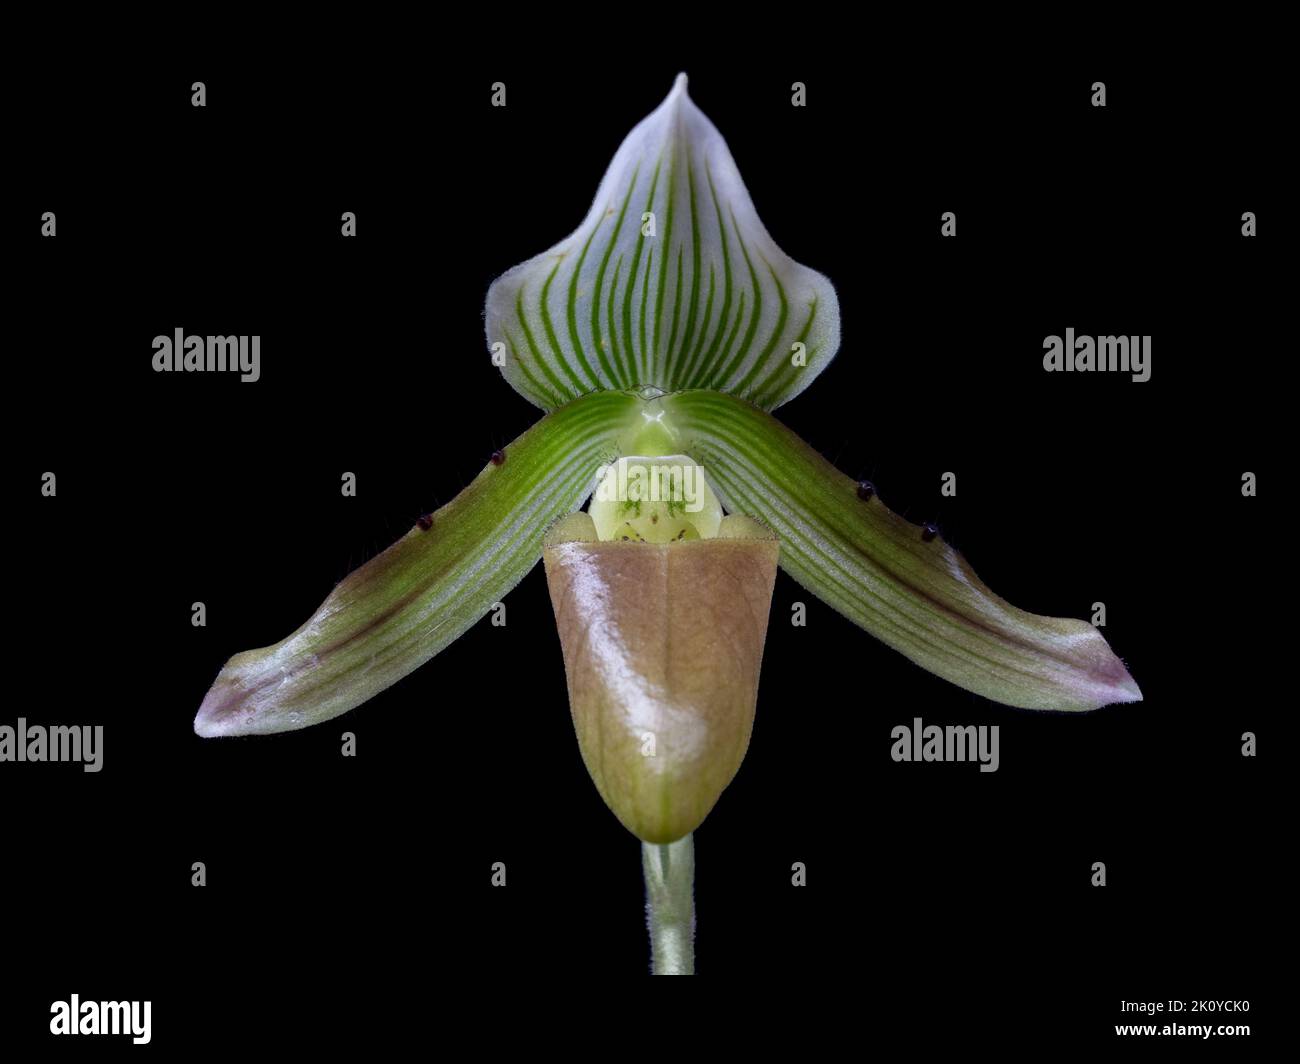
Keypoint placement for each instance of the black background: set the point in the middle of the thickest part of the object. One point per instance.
(939, 899)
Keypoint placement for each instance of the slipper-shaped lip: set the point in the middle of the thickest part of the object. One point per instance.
(663, 645)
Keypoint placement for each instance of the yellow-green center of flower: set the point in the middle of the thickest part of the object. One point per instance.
(660, 499)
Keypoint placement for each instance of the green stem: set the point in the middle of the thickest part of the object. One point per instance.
(669, 882)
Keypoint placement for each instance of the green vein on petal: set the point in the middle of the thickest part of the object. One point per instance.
(921, 598)
(402, 607)
(631, 282)
(598, 341)
(675, 165)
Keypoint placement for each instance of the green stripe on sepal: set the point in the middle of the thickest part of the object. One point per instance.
(401, 608)
(718, 303)
(920, 597)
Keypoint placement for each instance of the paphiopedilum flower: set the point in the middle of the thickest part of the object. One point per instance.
(668, 324)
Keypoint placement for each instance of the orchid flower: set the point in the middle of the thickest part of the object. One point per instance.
(663, 332)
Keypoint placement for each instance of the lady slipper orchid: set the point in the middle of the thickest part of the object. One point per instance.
(657, 339)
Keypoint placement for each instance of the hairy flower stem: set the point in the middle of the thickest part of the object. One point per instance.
(670, 910)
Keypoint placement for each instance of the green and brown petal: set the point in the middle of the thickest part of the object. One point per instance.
(662, 645)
